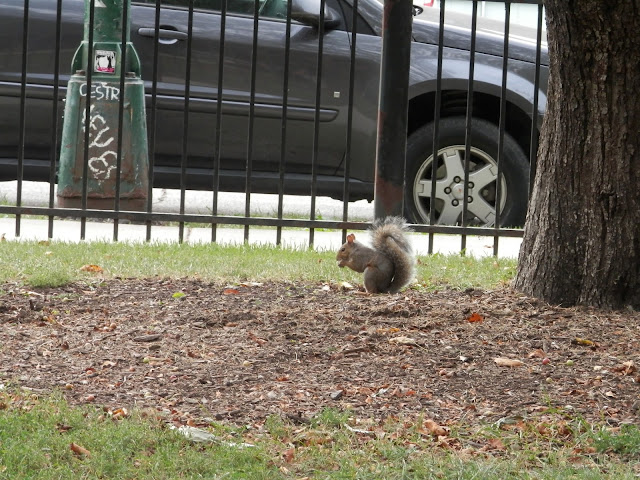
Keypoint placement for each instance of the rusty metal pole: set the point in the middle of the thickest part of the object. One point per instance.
(393, 105)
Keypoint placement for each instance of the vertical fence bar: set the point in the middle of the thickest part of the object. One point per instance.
(53, 152)
(347, 154)
(185, 130)
(123, 62)
(23, 111)
(501, 124)
(316, 123)
(283, 126)
(153, 115)
(252, 108)
(436, 127)
(393, 107)
(217, 148)
(467, 143)
(87, 122)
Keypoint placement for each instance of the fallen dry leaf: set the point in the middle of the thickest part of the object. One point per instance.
(152, 337)
(119, 413)
(475, 317)
(387, 330)
(538, 352)
(91, 268)
(434, 429)
(62, 428)
(255, 338)
(403, 340)
(543, 429)
(79, 450)
(494, 444)
(625, 368)
(508, 362)
(585, 450)
(289, 454)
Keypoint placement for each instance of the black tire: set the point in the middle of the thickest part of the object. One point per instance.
(481, 207)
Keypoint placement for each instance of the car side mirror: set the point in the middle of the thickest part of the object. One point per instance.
(308, 12)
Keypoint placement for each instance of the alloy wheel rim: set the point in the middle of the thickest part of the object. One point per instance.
(449, 192)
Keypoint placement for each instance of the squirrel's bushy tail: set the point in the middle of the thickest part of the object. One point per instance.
(389, 236)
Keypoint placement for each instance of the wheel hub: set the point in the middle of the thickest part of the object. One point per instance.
(456, 189)
(450, 187)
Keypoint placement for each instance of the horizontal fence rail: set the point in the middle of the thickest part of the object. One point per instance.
(267, 96)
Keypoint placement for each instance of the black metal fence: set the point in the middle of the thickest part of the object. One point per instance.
(274, 97)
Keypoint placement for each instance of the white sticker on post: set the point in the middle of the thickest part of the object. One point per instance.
(105, 61)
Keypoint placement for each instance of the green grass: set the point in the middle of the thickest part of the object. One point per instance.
(625, 441)
(36, 434)
(51, 264)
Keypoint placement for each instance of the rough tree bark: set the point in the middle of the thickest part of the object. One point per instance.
(582, 237)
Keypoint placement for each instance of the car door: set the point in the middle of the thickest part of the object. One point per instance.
(267, 100)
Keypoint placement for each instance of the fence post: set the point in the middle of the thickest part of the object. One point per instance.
(393, 105)
(110, 110)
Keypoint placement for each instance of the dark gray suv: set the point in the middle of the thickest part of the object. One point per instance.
(267, 101)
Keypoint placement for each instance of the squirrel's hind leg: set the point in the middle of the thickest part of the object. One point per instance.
(372, 279)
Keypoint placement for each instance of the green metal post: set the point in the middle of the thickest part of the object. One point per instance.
(104, 117)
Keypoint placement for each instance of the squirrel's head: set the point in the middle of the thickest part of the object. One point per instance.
(343, 254)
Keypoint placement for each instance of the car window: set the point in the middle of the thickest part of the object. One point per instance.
(267, 8)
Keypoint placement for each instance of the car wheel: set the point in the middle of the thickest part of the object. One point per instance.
(450, 173)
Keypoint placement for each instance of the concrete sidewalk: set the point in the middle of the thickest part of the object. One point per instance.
(37, 194)
(69, 231)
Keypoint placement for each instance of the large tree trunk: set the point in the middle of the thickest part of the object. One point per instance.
(582, 237)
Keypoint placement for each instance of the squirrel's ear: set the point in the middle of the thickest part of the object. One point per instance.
(351, 238)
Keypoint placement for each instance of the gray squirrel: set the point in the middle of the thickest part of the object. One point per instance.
(389, 265)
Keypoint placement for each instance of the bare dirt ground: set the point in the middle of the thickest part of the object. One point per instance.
(197, 350)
